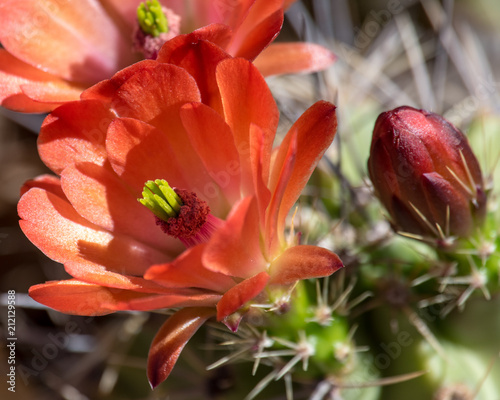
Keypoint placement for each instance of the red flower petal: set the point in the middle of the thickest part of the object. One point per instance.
(197, 55)
(78, 298)
(99, 275)
(238, 79)
(274, 235)
(168, 88)
(171, 339)
(123, 12)
(187, 270)
(231, 13)
(303, 262)
(49, 183)
(21, 84)
(101, 197)
(236, 297)
(53, 93)
(174, 298)
(218, 34)
(105, 90)
(133, 150)
(315, 130)
(53, 225)
(260, 172)
(13, 100)
(74, 132)
(259, 28)
(289, 58)
(234, 249)
(213, 140)
(80, 41)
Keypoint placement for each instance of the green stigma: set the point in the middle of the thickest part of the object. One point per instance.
(151, 18)
(161, 199)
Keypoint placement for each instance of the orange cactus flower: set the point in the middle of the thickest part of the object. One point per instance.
(54, 49)
(204, 122)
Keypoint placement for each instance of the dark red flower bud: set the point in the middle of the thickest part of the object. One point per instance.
(426, 175)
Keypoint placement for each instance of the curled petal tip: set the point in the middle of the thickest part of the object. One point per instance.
(171, 339)
(304, 262)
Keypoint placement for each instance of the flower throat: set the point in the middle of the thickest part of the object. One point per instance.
(179, 212)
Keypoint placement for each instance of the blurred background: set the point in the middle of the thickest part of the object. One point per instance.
(440, 55)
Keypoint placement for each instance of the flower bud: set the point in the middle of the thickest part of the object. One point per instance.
(426, 175)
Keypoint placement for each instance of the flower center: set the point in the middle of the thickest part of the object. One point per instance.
(179, 213)
(151, 18)
(155, 25)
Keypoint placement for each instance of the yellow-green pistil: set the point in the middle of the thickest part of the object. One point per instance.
(180, 213)
(151, 18)
(161, 199)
